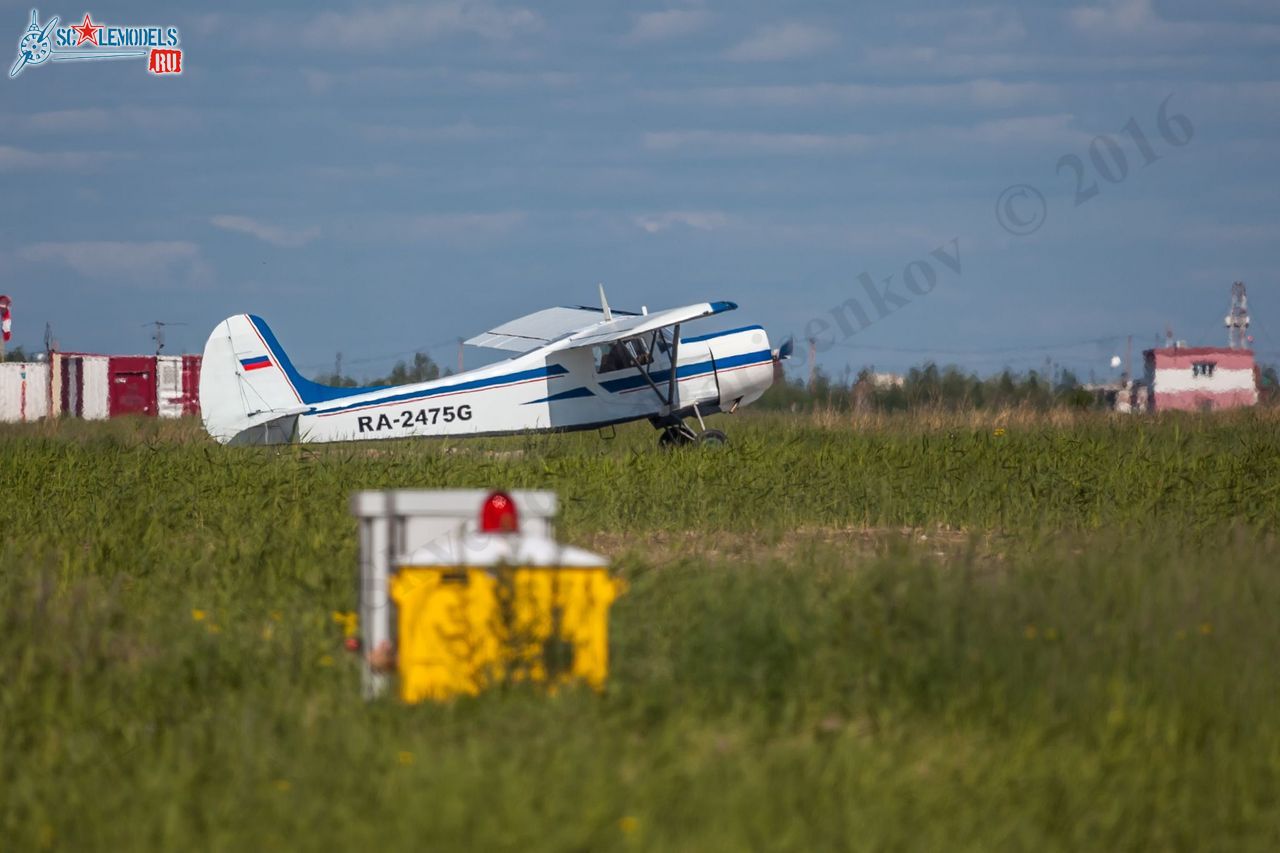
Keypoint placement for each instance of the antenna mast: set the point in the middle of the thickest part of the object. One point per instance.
(1237, 321)
(157, 333)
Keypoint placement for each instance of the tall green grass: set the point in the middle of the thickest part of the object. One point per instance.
(1102, 677)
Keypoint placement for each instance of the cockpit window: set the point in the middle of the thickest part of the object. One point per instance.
(620, 355)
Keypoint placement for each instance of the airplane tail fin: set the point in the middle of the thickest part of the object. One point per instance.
(250, 392)
(246, 379)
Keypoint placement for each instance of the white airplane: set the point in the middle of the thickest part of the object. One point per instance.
(577, 368)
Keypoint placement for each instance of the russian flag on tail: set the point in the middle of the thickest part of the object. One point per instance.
(255, 363)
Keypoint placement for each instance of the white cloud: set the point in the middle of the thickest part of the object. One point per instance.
(754, 141)
(980, 26)
(986, 93)
(670, 24)
(463, 131)
(1218, 234)
(140, 263)
(67, 120)
(448, 224)
(789, 40)
(373, 28)
(701, 220)
(1129, 19)
(118, 120)
(1116, 17)
(410, 81)
(457, 228)
(905, 60)
(285, 238)
(511, 80)
(12, 159)
(1005, 132)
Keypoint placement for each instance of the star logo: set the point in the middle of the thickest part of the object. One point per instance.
(87, 32)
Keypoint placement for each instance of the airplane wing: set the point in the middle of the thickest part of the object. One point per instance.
(583, 327)
(540, 328)
(626, 327)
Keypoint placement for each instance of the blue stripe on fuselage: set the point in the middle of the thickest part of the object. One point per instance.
(572, 393)
(626, 383)
(475, 384)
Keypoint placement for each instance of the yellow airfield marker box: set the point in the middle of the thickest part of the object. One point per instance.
(485, 603)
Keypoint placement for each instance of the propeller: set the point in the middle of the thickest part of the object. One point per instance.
(784, 352)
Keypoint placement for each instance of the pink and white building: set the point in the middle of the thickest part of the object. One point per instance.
(1200, 378)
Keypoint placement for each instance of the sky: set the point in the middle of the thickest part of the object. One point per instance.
(984, 185)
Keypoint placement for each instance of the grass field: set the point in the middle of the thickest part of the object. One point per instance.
(947, 632)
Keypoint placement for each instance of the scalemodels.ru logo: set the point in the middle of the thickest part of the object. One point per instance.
(43, 43)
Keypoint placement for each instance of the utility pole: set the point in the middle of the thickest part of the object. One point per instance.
(337, 368)
(1128, 360)
(460, 343)
(813, 363)
(1237, 321)
(157, 334)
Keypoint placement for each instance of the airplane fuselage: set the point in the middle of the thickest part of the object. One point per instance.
(545, 389)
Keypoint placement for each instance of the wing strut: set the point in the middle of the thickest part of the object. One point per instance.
(675, 352)
(644, 369)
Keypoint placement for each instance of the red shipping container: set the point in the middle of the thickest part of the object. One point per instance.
(133, 385)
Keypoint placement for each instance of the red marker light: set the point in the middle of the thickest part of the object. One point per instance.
(352, 644)
(498, 515)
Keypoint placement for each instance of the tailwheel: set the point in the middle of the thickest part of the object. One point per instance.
(712, 438)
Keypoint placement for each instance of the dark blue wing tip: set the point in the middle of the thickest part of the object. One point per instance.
(721, 307)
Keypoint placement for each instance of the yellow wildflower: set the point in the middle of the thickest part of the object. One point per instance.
(404, 757)
(198, 615)
(326, 660)
(1030, 632)
(349, 621)
(1206, 628)
(999, 431)
(628, 824)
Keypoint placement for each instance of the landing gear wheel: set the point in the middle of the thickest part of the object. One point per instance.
(673, 437)
(712, 438)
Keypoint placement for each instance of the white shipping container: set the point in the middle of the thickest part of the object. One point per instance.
(24, 391)
(169, 386)
(96, 388)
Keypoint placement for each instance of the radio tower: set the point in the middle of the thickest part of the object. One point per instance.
(1237, 321)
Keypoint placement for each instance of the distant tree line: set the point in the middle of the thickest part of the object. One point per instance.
(952, 388)
(420, 369)
(930, 386)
